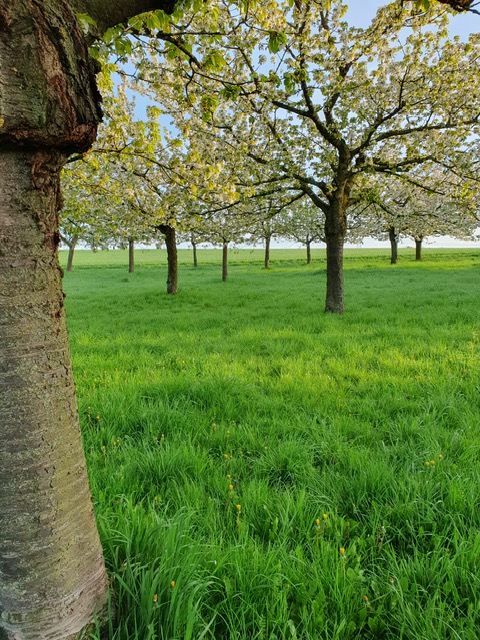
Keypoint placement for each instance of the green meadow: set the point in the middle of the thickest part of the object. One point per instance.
(264, 471)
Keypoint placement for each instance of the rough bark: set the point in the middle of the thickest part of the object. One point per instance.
(172, 258)
(52, 575)
(335, 302)
(268, 239)
(131, 255)
(309, 251)
(418, 248)
(224, 261)
(393, 237)
(335, 231)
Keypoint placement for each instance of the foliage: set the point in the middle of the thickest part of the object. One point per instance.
(288, 99)
(406, 208)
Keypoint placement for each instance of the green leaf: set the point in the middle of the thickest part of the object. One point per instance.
(214, 61)
(230, 92)
(289, 82)
(276, 41)
(110, 34)
(208, 105)
(122, 46)
(86, 21)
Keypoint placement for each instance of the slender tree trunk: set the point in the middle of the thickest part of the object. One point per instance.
(224, 261)
(131, 255)
(335, 302)
(71, 251)
(309, 251)
(335, 230)
(418, 248)
(195, 258)
(172, 258)
(268, 239)
(393, 237)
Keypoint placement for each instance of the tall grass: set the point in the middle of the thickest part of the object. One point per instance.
(262, 470)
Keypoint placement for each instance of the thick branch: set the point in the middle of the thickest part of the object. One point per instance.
(108, 14)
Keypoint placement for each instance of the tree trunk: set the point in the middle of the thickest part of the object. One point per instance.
(335, 230)
(52, 575)
(172, 258)
(224, 261)
(71, 251)
(393, 237)
(309, 251)
(335, 302)
(51, 567)
(418, 248)
(131, 255)
(195, 258)
(267, 251)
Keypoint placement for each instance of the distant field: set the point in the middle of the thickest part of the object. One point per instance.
(262, 470)
(152, 257)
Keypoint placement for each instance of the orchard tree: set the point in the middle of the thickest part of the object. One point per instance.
(303, 223)
(99, 207)
(262, 219)
(125, 178)
(427, 203)
(316, 103)
(52, 574)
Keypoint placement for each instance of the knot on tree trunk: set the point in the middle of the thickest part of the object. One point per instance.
(48, 95)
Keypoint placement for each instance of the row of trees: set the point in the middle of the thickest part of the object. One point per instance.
(285, 120)
(52, 575)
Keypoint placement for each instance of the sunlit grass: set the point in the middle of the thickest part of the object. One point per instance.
(238, 439)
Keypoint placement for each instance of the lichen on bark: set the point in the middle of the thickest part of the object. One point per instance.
(48, 95)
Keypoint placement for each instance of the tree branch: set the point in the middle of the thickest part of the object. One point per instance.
(108, 14)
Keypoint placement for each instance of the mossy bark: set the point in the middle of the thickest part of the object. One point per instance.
(52, 576)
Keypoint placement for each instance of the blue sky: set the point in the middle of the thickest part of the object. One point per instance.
(360, 12)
